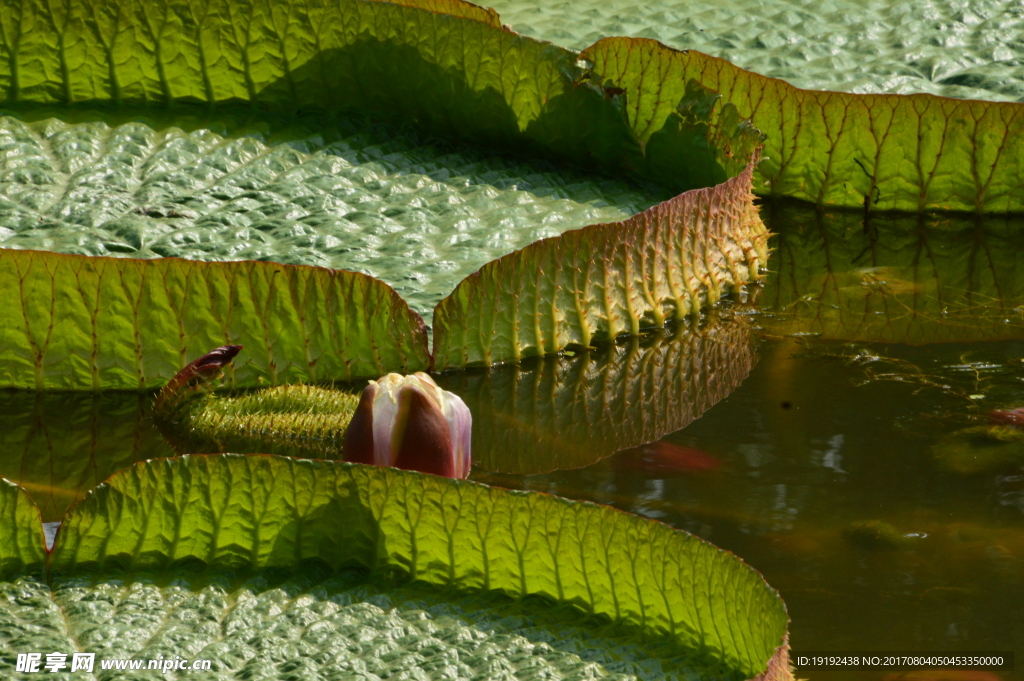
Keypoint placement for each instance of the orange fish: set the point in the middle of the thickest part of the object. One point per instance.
(1007, 417)
(943, 675)
(665, 458)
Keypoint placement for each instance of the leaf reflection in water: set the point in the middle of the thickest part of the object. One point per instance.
(893, 277)
(563, 412)
(58, 446)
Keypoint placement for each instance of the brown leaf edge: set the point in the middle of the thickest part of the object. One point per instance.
(779, 666)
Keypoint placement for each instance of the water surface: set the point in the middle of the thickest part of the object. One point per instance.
(835, 460)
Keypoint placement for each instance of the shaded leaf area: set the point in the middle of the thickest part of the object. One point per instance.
(906, 279)
(944, 47)
(58, 446)
(454, 76)
(83, 323)
(560, 412)
(21, 534)
(604, 281)
(261, 511)
(334, 190)
(312, 622)
(910, 153)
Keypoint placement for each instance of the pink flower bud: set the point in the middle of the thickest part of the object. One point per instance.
(409, 422)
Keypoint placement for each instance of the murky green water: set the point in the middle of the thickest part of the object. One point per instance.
(793, 478)
(822, 431)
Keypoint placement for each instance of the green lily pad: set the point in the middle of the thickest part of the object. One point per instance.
(82, 323)
(312, 622)
(412, 63)
(969, 51)
(448, 66)
(328, 190)
(605, 281)
(468, 77)
(253, 547)
(914, 153)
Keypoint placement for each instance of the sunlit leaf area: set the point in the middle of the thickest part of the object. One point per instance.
(419, 339)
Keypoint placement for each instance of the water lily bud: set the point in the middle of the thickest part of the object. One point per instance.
(409, 422)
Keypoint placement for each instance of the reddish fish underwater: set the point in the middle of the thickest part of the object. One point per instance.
(665, 458)
(1007, 417)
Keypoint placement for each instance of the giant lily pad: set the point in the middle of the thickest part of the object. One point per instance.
(598, 283)
(447, 65)
(457, 71)
(336, 190)
(964, 50)
(911, 153)
(421, 63)
(166, 537)
(628, 106)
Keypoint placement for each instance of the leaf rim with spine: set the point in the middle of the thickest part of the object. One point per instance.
(244, 511)
(560, 111)
(81, 322)
(960, 159)
(660, 265)
(912, 153)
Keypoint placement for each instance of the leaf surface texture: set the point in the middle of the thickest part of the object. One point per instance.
(265, 511)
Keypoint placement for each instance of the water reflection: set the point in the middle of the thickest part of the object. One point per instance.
(58, 446)
(839, 501)
(551, 413)
(819, 466)
(894, 278)
(562, 412)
